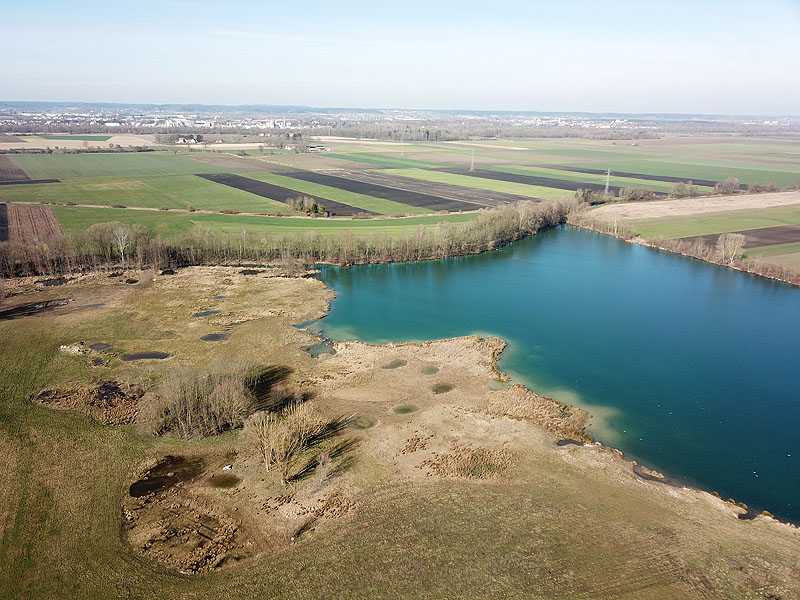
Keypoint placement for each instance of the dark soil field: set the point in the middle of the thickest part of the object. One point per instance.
(10, 171)
(667, 178)
(3, 222)
(559, 184)
(470, 196)
(280, 194)
(755, 238)
(31, 223)
(11, 139)
(412, 198)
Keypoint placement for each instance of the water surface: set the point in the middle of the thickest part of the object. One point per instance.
(688, 367)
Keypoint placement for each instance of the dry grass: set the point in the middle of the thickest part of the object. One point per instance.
(468, 462)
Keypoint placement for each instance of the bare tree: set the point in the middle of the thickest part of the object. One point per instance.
(729, 247)
(728, 186)
(122, 238)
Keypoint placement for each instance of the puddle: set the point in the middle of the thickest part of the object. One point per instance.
(430, 370)
(320, 348)
(220, 297)
(225, 480)
(33, 309)
(206, 313)
(95, 305)
(396, 364)
(497, 385)
(99, 346)
(131, 281)
(250, 271)
(97, 362)
(314, 326)
(168, 272)
(144, 356)
(404, 409)
(362, 423)
(55, 281)
(215, 337)
(170, 471)
(442, 388)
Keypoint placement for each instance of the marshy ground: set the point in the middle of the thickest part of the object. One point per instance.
(444, 479)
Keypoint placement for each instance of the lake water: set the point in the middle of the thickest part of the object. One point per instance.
(690, 368)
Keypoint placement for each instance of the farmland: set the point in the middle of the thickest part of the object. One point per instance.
(26, 224)
(384, 178)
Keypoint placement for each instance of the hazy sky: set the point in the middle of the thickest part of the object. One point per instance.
(688, 56)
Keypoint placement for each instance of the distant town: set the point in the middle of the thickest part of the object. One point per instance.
(392, 124)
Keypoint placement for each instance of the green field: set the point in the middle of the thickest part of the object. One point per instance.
(120, 164)
(166, 179)
(78, 218)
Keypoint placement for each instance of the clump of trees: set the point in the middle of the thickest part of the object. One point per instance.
(307, 205)
(730, 247)
(636, 194)
(99, 246)
(727, 186)
(189, 403)
(760, 188)
(682, 189)
(285, 437)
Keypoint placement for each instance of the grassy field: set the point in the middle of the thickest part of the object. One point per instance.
(77, 218)
(166, 179)
(570, 522)
(88, 138)
(720, 222)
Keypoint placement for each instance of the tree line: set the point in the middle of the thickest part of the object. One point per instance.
(104, 245)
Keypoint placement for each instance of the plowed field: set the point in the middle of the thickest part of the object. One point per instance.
(31, 223)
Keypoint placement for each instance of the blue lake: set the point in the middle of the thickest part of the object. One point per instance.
(690, 368)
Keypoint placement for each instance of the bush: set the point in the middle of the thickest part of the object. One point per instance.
(728, 186)
(191, 208)
(190, 404)
(229, 211)
(163, 208)
(635, 194)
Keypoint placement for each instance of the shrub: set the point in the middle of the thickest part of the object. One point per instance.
(229, 211)
(191, 404)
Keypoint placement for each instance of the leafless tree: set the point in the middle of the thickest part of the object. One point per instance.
(122, 238)
(729, 247)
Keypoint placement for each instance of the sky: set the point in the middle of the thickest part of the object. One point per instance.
(735, 57)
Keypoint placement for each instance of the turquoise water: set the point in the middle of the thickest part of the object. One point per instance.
(690, 368)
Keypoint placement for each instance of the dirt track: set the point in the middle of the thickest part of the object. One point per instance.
(635, 211)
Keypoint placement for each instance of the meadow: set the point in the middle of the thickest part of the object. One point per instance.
(390, 179)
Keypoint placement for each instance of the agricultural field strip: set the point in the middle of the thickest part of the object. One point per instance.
(493, 185)
(560, 184)
(756, 238)
(622, 182)
(775, 250)
(357, 200)
(11, 171)
(412, 198)
(387, 161)
(712, 223)
(280, 194)
(635, 177)
(443, 190)
(31, 223)
(122, 164)
(75, 218)
(168, 191)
